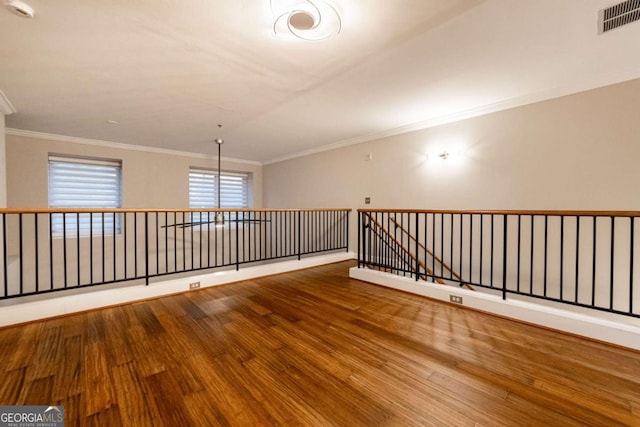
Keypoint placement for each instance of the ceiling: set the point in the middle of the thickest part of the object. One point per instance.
(169, 71)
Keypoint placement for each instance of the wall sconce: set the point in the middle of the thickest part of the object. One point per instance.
(451, 156)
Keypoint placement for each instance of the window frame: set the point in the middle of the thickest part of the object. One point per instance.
(245, 178)
(94, 225)
(195, 217)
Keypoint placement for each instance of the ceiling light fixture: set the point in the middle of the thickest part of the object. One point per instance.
(311, 20)
(19, 8)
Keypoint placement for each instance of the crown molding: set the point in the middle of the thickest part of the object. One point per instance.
(412, 127)
(576, 86)
(5, 105)
(122, 146)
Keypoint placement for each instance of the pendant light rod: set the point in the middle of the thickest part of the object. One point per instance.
(219, 141)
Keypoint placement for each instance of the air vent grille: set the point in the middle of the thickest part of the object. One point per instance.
(619, 15)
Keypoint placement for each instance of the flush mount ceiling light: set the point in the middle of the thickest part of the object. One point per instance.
(19, 8)
(311, 20)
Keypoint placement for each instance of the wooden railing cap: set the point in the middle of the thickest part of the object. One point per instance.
(601, 213)
(154, 210)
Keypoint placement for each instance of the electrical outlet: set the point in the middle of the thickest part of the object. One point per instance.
(455, 299)
(194, 285)
(367, 200)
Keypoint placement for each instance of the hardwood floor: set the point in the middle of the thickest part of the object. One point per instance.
(313, 348)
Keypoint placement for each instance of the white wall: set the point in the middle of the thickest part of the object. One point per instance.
(149, 179)
(578, 152)
(3, 165)
(575, 152)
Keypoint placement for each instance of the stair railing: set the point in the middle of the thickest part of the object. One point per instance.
(582, 258)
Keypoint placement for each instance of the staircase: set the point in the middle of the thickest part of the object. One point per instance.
(399, 247)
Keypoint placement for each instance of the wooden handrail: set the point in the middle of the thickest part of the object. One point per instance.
(392, 248)
(119, 210)
(456, 275)
(420, 263)
(509, 212)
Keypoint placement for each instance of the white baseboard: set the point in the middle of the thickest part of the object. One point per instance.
(57, 305)
(621, 334)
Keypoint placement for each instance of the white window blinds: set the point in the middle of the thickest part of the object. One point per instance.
(84, 183)
(203, 189)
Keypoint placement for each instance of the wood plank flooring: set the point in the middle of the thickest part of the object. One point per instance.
(313, 348)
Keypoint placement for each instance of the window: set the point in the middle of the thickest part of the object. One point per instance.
(203, 189)
(84, 183)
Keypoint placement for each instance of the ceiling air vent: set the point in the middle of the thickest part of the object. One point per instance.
(616, 16)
